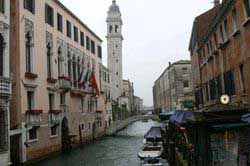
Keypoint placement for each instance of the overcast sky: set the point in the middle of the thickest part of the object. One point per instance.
(155, 32)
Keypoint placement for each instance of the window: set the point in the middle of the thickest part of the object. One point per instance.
(219, 86)
(184, 68)
(62, 99)
(222, 34)
(226, 34)
(74, 71)
(185, 84)
(229, 82)
(235, 20)
(59, 22)
(82, 105)
(116, 29)
(82, 126)
(30, 100)
(30, 5)
(2, 6)
(3, 130)
(53, 131)
(99, 49)
(246, 8)
(89, 126)
(87, 43)
(212, 89)
(68, 29)
(82, 38)
(92, 46)
(215, 41)
(49, 15)
(110, 29)
(51, 101)
(242, 78)
(76, 34)
(33, 134)
(59, 52)
(100, 123)
(49, 63)
(28, 52)
(69, 66)
(2, 45)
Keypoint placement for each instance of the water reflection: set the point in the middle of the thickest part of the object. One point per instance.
(120, 150)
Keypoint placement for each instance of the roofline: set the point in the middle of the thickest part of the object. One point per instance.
(224, 9)
(77, 18)
(175, 63)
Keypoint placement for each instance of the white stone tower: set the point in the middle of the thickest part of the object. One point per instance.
(114, 44)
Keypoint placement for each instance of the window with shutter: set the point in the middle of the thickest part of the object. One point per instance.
(2, 6)
(59, 22)
(229, 83)
(212, 90)
(68, 29)
(30, 5)
(49, 15)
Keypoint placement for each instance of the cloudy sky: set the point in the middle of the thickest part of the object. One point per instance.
(155, 32)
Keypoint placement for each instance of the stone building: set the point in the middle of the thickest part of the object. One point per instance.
(5, 81)
(138, 105)
(173, 87)
(114, 48)
(56, 62)
(106, 86)
(221, 54)
(127, 97)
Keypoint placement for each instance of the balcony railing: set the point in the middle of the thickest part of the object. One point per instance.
(64, 83)
(5, 86)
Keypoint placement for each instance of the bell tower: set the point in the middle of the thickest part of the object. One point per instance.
(114, 48)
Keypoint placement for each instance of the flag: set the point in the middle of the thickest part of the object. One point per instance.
(93, 82)
(86, 75)
(80, 76)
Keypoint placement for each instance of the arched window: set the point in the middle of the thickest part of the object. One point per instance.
(110, 29)
(28, 52)
(69, 66)
(59, 61)
(116, 29)
(78, 69)
(49, 63)
(74, 71)
(2, 45)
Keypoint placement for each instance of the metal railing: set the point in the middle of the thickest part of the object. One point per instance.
(5, 86)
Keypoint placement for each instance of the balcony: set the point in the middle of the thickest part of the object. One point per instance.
(5, 86)
(64, 83)
(33, 117)
(55, 116)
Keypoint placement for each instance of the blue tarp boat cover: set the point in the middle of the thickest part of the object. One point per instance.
(246, 118)
(154, 134)
(180, 116)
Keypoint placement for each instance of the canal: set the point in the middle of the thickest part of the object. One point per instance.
(119, 150)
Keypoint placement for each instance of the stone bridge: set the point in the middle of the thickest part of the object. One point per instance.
(119, 125)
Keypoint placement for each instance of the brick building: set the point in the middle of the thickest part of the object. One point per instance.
(55, 62)
(219, 53)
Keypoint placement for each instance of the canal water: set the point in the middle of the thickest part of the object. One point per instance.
(119, 150)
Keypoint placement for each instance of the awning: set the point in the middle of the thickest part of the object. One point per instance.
(187, 104)
(230, 126)
(180, 117)
(154, 134)
(246, 118)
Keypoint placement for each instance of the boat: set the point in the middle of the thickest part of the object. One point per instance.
(151, 151)
(154, 162)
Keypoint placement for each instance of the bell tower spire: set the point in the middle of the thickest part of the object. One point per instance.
(114, 48)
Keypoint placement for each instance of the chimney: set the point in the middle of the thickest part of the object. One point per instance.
(216, 2)
(169, 63)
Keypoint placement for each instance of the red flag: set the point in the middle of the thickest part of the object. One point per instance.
(93, 83)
